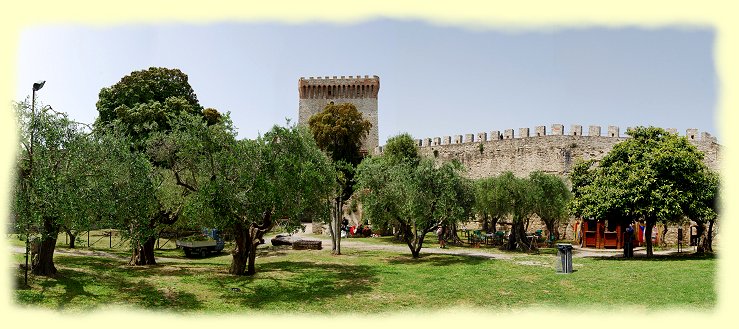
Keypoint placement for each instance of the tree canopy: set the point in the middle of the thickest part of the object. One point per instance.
(489, 195)
(654, 176)
(339, 130)
(140, 108)
(72, 178)
(145, 100)
(248, 186)
(401, 148)
(414, 195)
(551, 200)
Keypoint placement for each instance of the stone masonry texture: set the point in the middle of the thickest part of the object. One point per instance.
(316, 93)
(553, 154)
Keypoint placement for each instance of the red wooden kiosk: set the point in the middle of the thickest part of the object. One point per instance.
(599, 237)
(594, 234)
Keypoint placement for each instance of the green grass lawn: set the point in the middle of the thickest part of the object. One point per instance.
(291, 281)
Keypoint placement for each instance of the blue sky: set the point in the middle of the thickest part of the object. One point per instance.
(434, 80)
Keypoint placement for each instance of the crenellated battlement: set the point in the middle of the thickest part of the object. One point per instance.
(339, 87)
(541, 131)
(521, 151)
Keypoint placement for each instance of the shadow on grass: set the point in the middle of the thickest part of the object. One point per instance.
(299, 283)
(93, 285)
(437, 260)
(659, 258)
(121, 268)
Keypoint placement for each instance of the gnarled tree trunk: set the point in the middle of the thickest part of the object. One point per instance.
(452, 236)
(254, 240)
(71, 236)
(43, 262)
(552, 230)
(709, 237)
(256, 234)
(415, 244)
(240, 254)
(413, 239)
(703, 244)
(143, 254)
(485, 225)
(494, 224)
(648, 236)
(247, 240)
(517, 238)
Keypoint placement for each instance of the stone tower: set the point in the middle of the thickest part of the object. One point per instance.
(315, 93)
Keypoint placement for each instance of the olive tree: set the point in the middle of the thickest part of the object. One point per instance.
(488, 202)
(68, 177)
(551, 200)
(517, 200)
(247, 186)
(50, 171)
(413, 194)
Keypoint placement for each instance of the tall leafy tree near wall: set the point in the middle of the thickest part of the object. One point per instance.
(653, 176)
(519, 203)
(488, 202)
(413, 194)
(339, 130)
(551, 200)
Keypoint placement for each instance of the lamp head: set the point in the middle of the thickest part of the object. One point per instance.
(38, 85)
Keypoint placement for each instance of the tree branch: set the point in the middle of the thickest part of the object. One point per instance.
(181, 183)
(266, 221)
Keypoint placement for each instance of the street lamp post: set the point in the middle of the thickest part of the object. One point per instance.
(36, 86)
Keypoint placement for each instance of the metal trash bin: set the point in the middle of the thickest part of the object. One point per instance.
(564, 259)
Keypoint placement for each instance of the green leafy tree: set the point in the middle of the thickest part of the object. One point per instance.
(248, 186)
(704, 209)
(401, 148)
(141, 105)
(145, 100)
(59, 168)
(414, 195)
(488, 202)
(339, 130)
(517, 200)
(654, 176)
(551, 200)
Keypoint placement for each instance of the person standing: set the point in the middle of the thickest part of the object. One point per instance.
(440, 234)
(629, 241)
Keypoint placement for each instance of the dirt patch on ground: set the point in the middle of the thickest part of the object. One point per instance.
(532, 263)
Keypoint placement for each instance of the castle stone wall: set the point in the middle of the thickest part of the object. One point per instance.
(555, 153)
